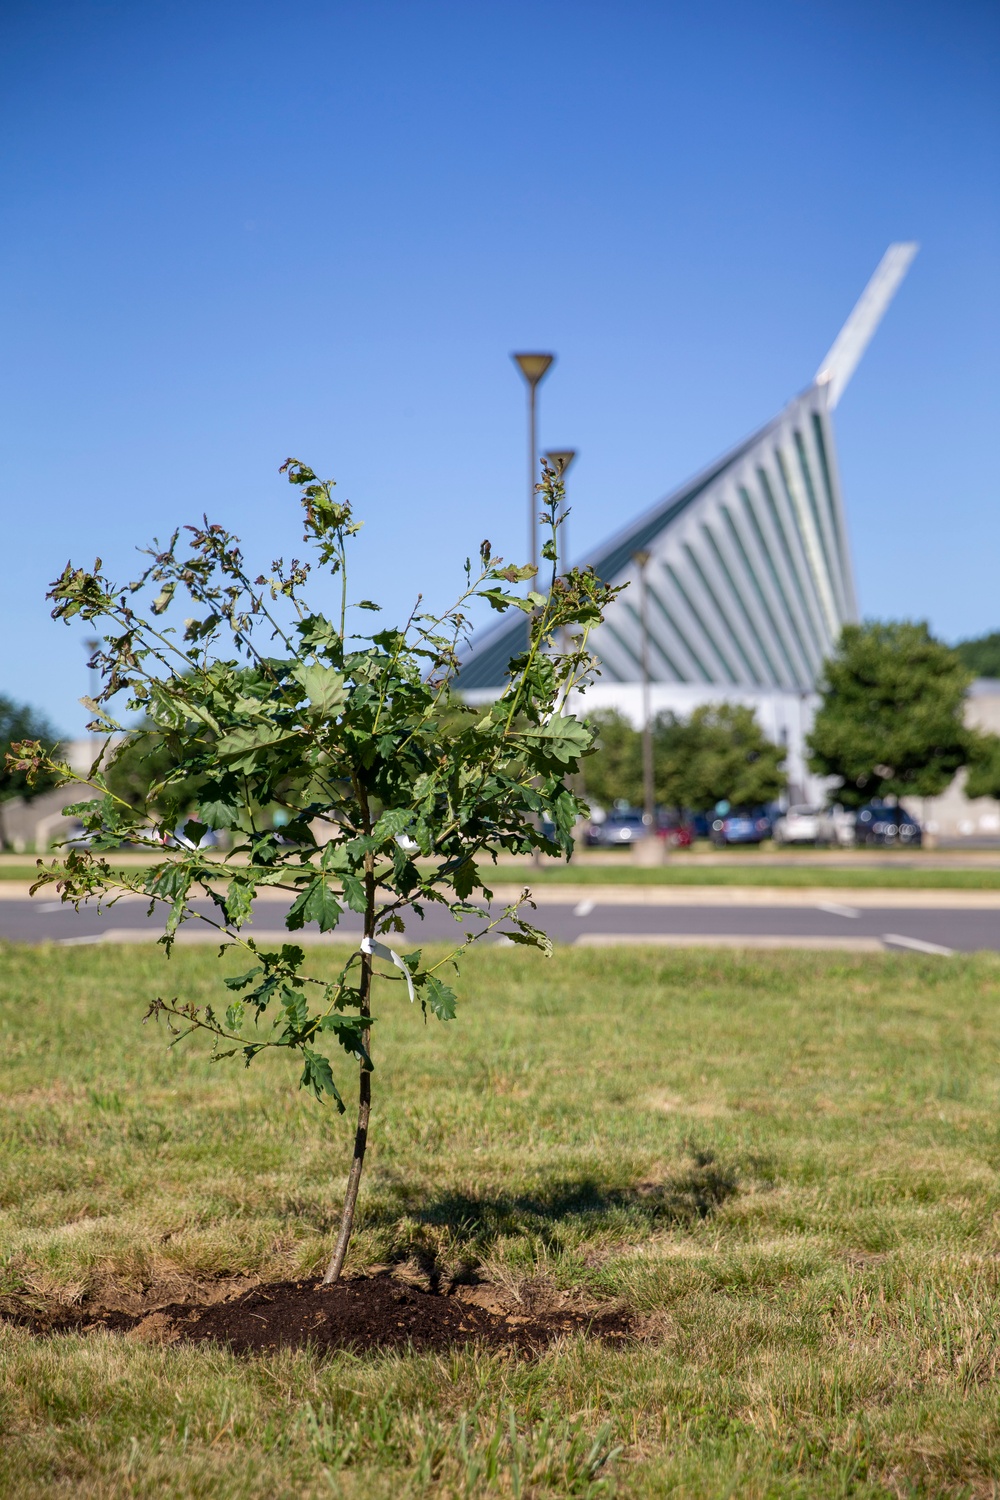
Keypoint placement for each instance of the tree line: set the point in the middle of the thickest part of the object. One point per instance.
(890, 723)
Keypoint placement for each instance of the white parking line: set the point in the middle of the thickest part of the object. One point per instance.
(727, 940)
(584, 908)
(917, 944)
(837, 911)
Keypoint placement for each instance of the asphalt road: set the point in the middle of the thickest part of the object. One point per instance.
(831, 924)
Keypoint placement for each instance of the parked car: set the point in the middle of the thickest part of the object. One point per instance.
(741, 827)
(843, 820)
(621, 828)
(676, 832)
(885, 826)
(800, 824)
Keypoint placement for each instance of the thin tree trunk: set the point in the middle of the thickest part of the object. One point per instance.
(336, 1265)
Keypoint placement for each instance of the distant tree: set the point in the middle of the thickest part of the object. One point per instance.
(981, 655)
(720, 754)
(984, 766)
(890, 722)
(144, 774)
(614, 771)
(18, 721)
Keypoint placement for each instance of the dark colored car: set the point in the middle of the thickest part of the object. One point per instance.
(887, 827)
(741, 827)
(701, 825)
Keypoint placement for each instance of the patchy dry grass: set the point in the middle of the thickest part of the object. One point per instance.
(785, 1164)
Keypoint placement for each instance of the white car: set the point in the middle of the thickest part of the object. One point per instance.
(805, 825)
(815, 825)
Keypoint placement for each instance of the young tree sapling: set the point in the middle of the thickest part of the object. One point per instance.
(393, 791)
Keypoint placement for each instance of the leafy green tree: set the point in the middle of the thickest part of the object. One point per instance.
(614, 771)
(268, 700)
(890, 721)
(18, 721)
(981, 656)
(984, 766)
(720, 754)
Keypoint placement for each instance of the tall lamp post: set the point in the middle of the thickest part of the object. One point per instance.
(641, 560)
(533, 367)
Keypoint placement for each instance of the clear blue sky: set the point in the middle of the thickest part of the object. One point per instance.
(234, 232)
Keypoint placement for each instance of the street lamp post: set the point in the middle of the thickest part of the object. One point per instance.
(641, 560)
(533, 367)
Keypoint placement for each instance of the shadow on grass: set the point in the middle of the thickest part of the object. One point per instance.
(460, 1229)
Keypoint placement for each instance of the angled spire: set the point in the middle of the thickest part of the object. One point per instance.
(855, 336)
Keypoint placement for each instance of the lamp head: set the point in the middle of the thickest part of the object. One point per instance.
(560, 459)
(641, 558)
(533, 366)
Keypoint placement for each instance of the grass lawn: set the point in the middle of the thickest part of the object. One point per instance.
(684, 869)
(785, 1165)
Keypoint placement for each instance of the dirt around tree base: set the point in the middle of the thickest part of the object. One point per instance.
(365, 1313)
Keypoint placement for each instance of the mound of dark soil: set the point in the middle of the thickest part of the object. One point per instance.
(373, 1312)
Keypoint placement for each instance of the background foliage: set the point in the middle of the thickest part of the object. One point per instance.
(891, 716)
(720, 752)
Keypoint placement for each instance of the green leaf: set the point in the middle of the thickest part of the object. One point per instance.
(394, 820)
(349, 1032)
(163, 598)
(317, 1075)
(561, 738)
(531, 937)
(501, 601)
(235, 1014)
(240, 981)
(354, 892)
(242, 746)
(323, 686)
(317, 903)
(439, 997)
(465, 879)
(170, 880)
(293, 1003)
(218, 812)
(239, 902)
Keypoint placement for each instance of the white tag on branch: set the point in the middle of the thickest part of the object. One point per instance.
(381, 950)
